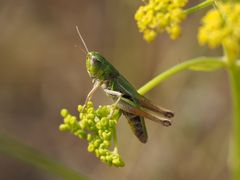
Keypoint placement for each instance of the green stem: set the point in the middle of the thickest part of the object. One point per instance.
(178, 68)
(29, 155)
(115, 140)
(199, 6)
(234, 75)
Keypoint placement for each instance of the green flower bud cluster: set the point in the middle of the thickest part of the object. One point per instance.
(97, 127)
(159, 16)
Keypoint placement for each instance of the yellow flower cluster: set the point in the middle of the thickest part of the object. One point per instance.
(159, 16)
(97, 127)
(221, 26)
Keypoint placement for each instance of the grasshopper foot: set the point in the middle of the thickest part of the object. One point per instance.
(169, 114)
(167, 123)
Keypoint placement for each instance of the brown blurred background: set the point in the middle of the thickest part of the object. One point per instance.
(43, 71)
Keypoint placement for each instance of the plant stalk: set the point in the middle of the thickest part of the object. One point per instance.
(179, 68)
(234, 76)
(199, 6)
(15, 149)
(115, 140)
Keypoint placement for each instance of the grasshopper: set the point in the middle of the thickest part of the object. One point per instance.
(134, 106)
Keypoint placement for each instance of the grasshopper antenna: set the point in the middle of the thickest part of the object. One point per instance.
(83, 50)
(80, 36)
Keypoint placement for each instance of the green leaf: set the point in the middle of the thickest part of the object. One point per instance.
(207, 66)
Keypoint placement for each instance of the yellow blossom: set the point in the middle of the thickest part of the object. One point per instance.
(221, 26)
(159, 16)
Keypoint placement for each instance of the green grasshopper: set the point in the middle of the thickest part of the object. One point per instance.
(134, 106)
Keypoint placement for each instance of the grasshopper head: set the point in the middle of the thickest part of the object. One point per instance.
(96, 65)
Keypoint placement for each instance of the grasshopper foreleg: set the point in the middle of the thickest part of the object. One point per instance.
(96, 85)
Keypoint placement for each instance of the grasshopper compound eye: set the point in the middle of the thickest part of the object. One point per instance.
(95, 62)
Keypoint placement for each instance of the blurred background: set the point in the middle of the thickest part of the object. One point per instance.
(43, 70)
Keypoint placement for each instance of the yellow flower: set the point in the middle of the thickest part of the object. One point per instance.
(159, 16)
(221, 26)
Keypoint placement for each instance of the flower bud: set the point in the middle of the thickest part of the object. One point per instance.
(64, 112)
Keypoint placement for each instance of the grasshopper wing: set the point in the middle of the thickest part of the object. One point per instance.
(128, 106)
(146, 103)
